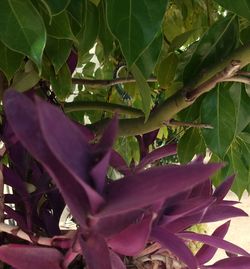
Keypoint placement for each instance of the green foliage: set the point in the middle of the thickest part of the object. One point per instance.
(24, 31)
(175, 44)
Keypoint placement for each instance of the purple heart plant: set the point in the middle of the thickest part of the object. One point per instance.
(140, 221)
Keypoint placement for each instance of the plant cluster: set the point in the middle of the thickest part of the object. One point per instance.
(117, 98)
(138, 221)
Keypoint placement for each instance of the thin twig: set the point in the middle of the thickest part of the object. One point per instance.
(188, 124)
(97, 83)
(243, 73)
(240, 79)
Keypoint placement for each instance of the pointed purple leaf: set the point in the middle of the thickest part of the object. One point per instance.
(96, 252)
(184, 208)
(202, 190)
(214, 242)
(206, 252)
(175, 245)
(157, 154)
(99, 171)
(133, 239)
(72, 61)
(30, 257)
(222, 212)
(231, 263)
(52, 138)
(149, 138)
(145, 188)
(222, 190)
(118, 163)
(213, 213)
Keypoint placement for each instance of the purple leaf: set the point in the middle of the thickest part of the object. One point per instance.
(153, 185)
(231, 263)
(102, 153)
(111, 225)
(214, 242)
(87, 133)
(185, 207)
(116, 262)
(157, 154)
(96, 252)
(108, 137)
(133, 239)
(213, 213)
(202, 190)
(149, 138)
(175, 245)
(30, 257)
(72, 61)
(118, 163)
(222, 190)
(52, 138)
(206, 252)
(221, 212)
(99, 171)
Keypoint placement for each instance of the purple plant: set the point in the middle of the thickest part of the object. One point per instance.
(120, 224)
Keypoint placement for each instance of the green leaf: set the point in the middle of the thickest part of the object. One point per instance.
(191, 143)
(75, 8)
(25, 80)
(215, 45)
(55, 7)
(180, 40)
(10, 61)
(218, 110)
(95, 2)
(167, 69)
(238, 159)
(58, 51)
(61, 83)
(135, 24)
(242, 106)
(240, 7)
(90, 28)
(147, 60)
(105, 36)
(144, 89)
(59, 27)
(22, 29)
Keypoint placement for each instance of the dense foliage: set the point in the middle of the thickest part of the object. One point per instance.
(115, 95)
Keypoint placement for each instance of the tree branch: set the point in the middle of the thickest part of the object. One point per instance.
(183, 98)
(188, 124)
(238, 79)
(102, 106)
(97, 83)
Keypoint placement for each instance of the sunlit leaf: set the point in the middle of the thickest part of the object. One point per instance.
(135, 24)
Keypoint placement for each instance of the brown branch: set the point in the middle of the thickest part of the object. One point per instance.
(243, 73)
(188, 124)
(97, 83)
(244, 80)
(221, 76)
